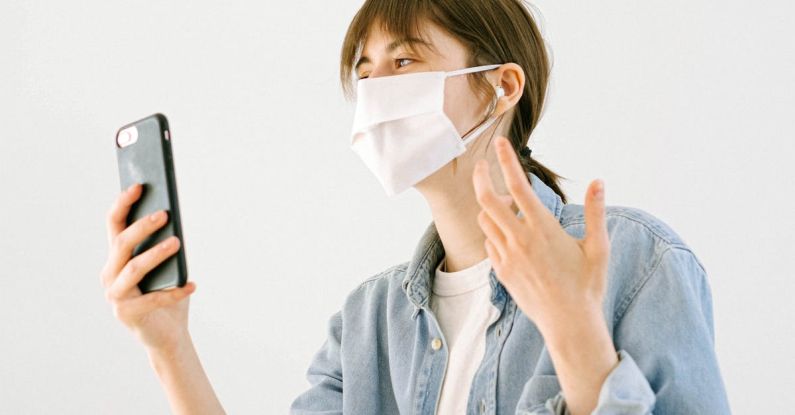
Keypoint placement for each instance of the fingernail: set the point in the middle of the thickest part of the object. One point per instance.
(132, 188)
(170, 242)
(157, 216)
(600, 189)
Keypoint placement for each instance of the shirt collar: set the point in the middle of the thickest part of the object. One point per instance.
(430, 251)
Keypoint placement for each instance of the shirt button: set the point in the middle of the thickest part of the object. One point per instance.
(499, 331)
(482, 406)
(436, 344)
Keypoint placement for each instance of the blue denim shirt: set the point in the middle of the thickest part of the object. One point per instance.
(378, 359)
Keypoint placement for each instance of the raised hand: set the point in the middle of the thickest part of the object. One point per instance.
(159, 318)
(558, 281)
(552, 276)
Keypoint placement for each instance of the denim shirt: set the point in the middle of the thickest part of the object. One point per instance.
(379, 355)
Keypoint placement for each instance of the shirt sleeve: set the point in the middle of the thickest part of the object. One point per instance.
(624, 391)
(324, 395)
(665, 337)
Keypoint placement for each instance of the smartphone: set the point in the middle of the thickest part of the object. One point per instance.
(143, 150)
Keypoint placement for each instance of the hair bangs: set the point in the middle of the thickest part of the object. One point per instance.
(401, 19)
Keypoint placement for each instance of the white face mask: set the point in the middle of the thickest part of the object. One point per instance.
(400, 129)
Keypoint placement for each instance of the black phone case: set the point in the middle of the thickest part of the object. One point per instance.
(150, 161)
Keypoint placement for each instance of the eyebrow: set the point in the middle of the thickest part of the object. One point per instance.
(391, 47)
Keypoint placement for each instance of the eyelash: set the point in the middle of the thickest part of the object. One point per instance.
(397, 62)
(403, 59)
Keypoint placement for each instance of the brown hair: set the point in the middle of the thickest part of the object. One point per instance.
(493, 31)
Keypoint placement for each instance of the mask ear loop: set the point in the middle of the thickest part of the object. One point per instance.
(499, 93)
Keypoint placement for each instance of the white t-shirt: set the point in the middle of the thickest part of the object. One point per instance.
(461, 302)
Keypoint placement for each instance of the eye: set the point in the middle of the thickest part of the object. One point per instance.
(403, 62)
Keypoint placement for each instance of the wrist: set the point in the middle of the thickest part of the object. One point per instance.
(583, 354)
(581, 340)
(183, 379)
(178, 346)
(167, 343)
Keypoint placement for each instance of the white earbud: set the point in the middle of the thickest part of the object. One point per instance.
(500, 92)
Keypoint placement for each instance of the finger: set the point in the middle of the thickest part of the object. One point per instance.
(492, 231)
(117, 216)
(491, 250)
(125, 242)
(139, 266)
(596, 238)
(516, 181)
(143, 304)
(488, 199)
(506, 200)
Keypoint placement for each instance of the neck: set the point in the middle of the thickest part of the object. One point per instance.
(456, 221)
(455, 214)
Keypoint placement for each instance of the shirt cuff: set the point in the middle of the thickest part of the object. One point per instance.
(625, 390)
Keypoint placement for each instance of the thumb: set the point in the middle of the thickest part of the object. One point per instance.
(596, 238)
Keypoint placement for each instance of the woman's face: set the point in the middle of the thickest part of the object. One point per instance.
(384, 55)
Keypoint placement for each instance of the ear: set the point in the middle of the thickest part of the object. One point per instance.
(511, 77)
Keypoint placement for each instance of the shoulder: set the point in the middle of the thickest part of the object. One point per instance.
(377, 291)
(629, 228)
(389, 279)
(642, 247)
(626, 219)
(385, 278)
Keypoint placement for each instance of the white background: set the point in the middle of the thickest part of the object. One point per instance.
(685, 108)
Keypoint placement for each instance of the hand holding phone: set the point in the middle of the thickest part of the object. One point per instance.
(159, 318)
(143, 236)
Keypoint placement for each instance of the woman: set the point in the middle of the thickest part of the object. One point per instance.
(514, 302)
